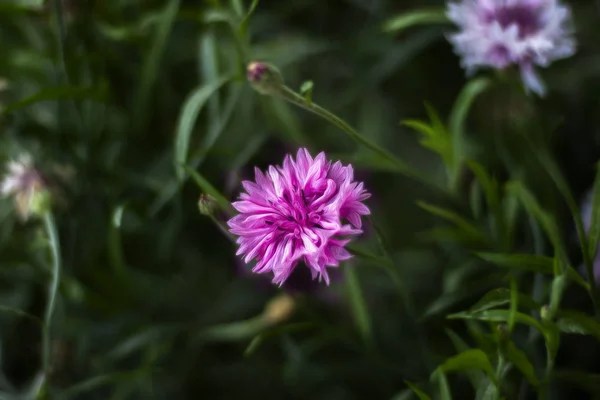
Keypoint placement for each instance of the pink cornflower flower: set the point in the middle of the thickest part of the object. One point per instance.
(298, 212)
(500, 33)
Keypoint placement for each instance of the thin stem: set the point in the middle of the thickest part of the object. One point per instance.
(293, 97)
(500, 374)
(562, 186)
(52, 233)
(358, 305)
(406, 298)
(222, 228)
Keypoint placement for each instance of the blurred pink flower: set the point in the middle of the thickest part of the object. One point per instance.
(500, 33)
(296, 212)
(25, 184)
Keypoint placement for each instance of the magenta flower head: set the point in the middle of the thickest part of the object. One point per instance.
(501, 33)
(305, 210)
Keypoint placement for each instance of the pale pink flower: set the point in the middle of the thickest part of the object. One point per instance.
(501, 33)
(298, 212)
(25, 184)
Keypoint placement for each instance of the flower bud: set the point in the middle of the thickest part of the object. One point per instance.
(206, 205)
(279, 309)
(264, 78)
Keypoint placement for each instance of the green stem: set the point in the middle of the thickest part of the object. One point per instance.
(562, 186)
(222, 228)
(293, 97)
(358, 304)
(405, 296)
(52, 233)
(500, 374)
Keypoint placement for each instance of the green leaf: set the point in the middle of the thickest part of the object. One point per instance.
(453, 217)
(369, 256)
(522, 262)
(151, 63)
(577, 278)
(461, 107)
(246, 20)
(453, 235)
(498, 316)
(420, 126)
(475, 192)
(187, 119)
(57, 93)
(458, 116)
(558, 287)
(306, 91)
(520, 360)
(54, 243)
(358, 305)
(271, 333)
(421, 394)
(469, 359)
(475, 376)
(98, 381)
(552, 337)
(20, 313)
(208, 60)
(500, 297)
(533, 208)
(594, 230)
(445, 393)
(530, 262)
(280, 117)
(489, 185)
(587, 381)
(208, 188)
(577, 322)
(234, 331)
(514, 304)
(413, 18)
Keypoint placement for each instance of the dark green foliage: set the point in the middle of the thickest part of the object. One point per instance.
(469, 282)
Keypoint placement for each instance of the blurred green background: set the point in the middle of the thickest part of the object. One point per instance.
(153, 303)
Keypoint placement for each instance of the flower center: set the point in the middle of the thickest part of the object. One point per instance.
(524, 17)
(295, 214)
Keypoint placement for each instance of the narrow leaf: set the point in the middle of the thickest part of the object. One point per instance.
(501, 297)
(453, 217)
(187, 120)
(421, 394)
(152, 62)
(56, 93)
(469, 359)
(519, 359)
(523, 262)
(577, 322)
(498, 316)
(445, 393)
(594, 227)
(558, 287)
(457, 119)
(272, 333)
(532, 206)
(306, 91)
(413, 18)
(358, 305)
(475, 376)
